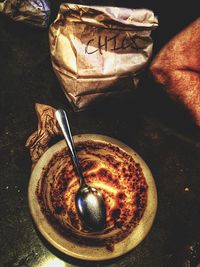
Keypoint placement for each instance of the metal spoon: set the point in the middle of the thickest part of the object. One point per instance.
(89, 201)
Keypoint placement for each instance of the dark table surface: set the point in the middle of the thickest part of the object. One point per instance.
(148, 122)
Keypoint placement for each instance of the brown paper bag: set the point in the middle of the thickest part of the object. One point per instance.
(48, 127)
(34, 12)
(99, 51)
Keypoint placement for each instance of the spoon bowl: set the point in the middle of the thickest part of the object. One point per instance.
(89, 201)
(91, 207)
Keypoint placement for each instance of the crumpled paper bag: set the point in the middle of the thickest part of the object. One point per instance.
(34, 12)
(177, 69)
(99, 51)
(48, 127)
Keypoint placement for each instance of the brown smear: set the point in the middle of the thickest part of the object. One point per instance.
(125, 198)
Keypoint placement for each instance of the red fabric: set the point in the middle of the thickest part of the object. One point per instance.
(177, 69)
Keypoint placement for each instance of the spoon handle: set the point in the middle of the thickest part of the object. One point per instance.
(64, 125)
